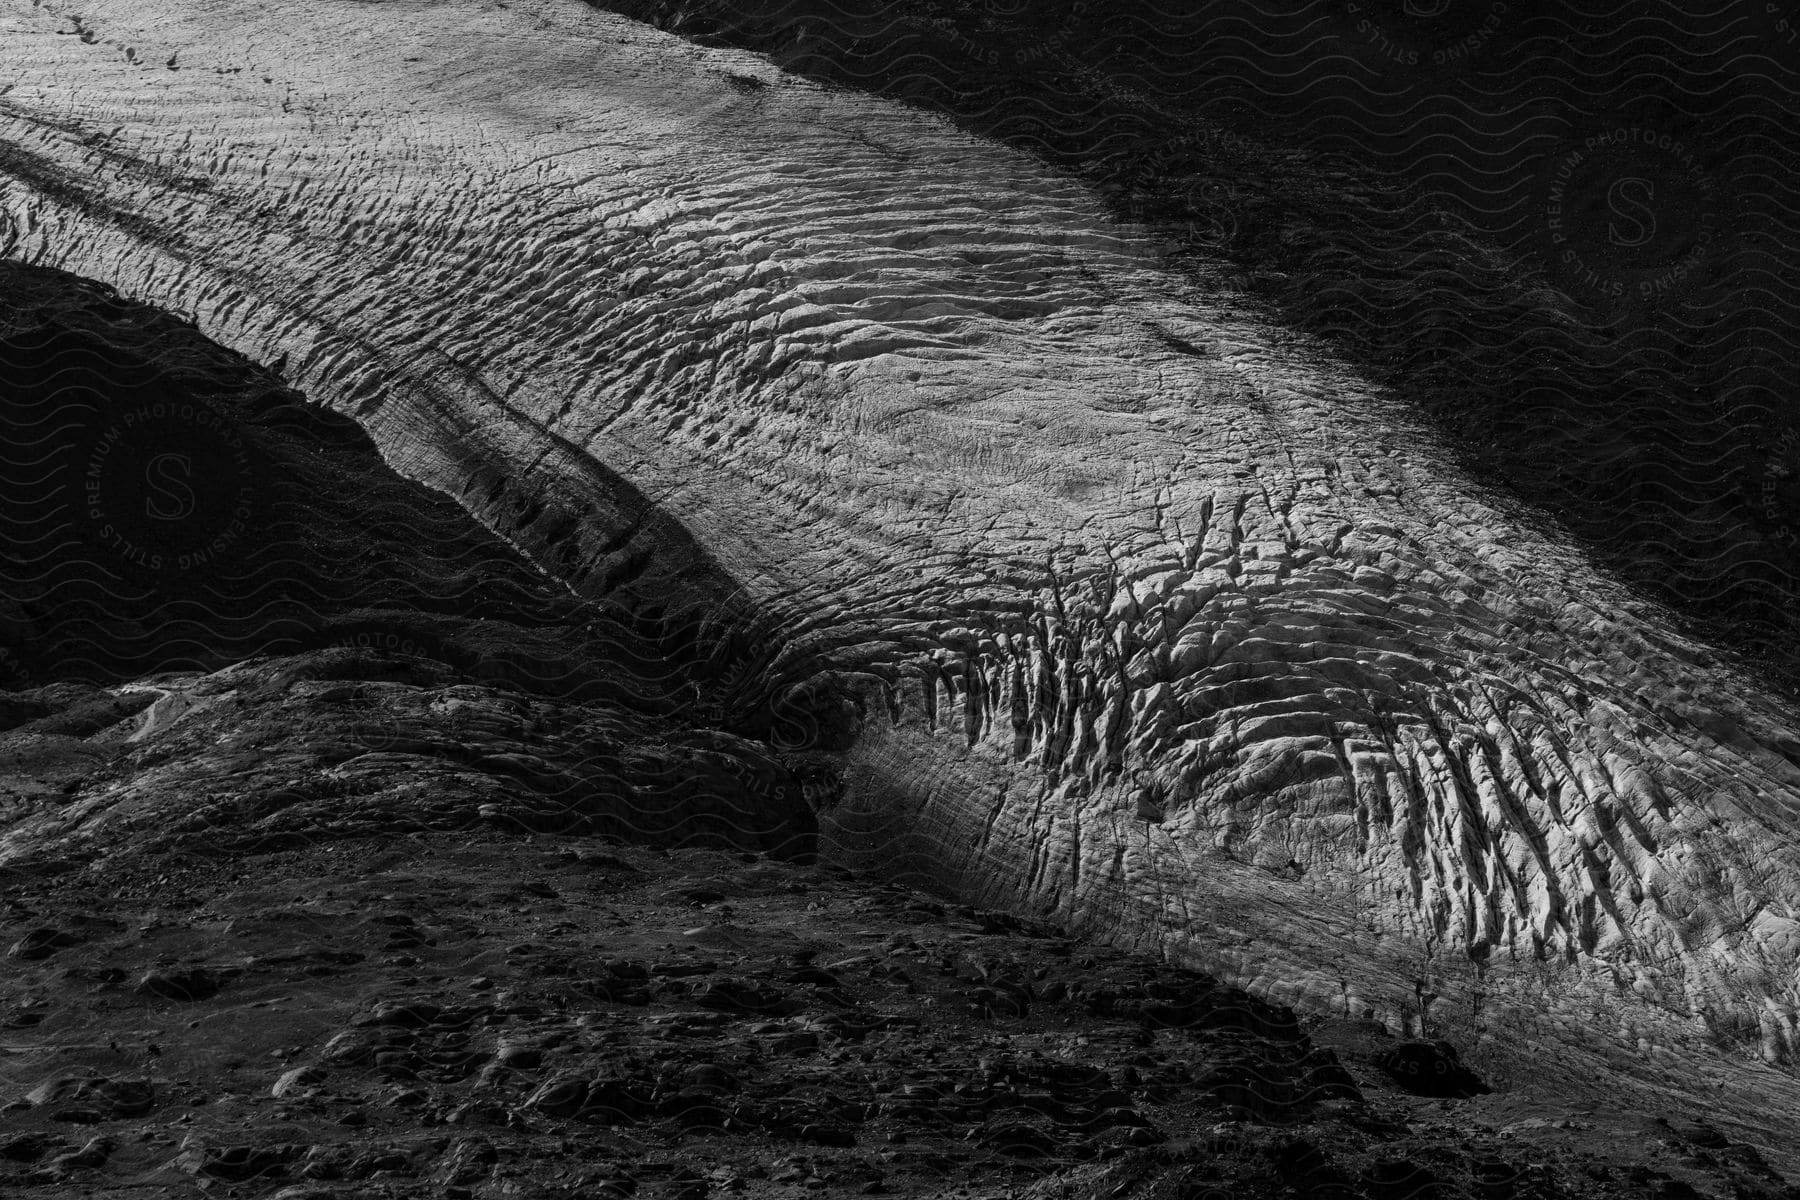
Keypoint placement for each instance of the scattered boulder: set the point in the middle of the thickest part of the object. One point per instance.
(742, 996)
(710, 1077)
(105, 1097)
(606, 1100)
(1431, 1069)
(181, 984)
(519, 1057)
(294, 1081)
(1016, 1140)
(406, 1014)
(235, 1164)
(1695, 1132)
(561, 1096)
(93, 1154)
(356, 1046)
(469, 1160)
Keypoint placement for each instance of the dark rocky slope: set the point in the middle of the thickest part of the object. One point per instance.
(415, 1004)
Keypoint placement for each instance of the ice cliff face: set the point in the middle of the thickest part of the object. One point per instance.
(1100, 596)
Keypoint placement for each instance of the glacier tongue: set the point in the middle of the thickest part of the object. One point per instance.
(1209, 651)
